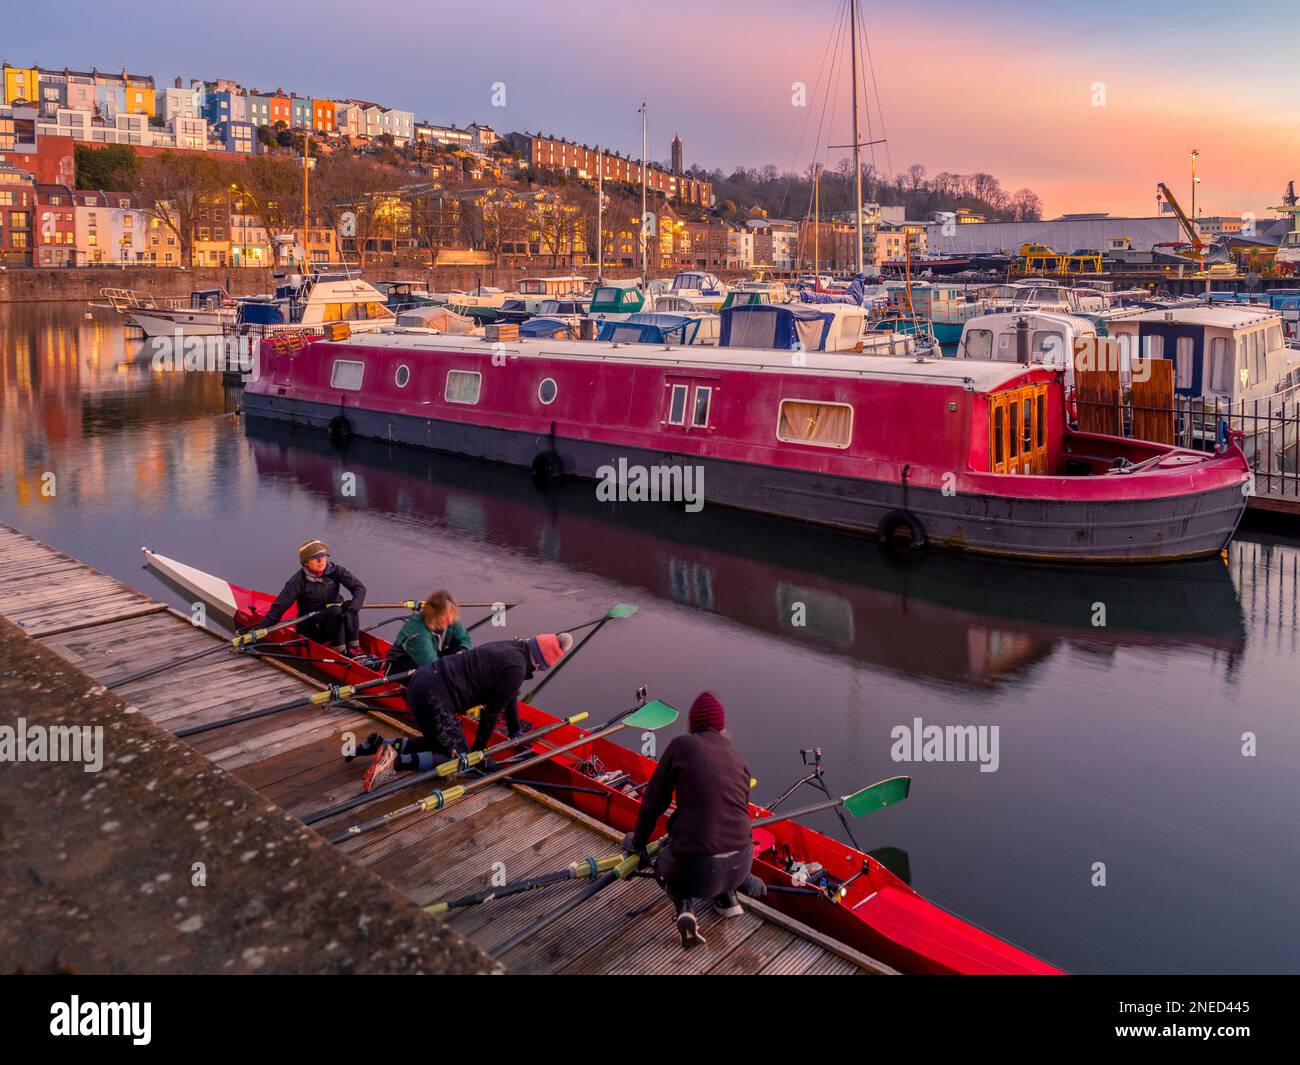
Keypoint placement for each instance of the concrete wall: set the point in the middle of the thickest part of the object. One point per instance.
(1063, 235)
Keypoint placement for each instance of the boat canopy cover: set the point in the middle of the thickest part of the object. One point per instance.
(439, 318)
(651, 329)
(614, 299)
(772, 327)
(697, 280)
(745, 298)
(546, 329)
(855, 294)
(256, 312)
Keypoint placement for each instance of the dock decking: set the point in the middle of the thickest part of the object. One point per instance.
(109, 631)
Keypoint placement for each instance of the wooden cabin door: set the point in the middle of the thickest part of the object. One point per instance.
(1018, 430)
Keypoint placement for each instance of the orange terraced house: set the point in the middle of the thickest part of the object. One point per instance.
(281, 109)
(323, 117)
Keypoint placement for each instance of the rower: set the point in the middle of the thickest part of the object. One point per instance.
(432, 632)
(489, 676)
(710, 846)
(316, 586)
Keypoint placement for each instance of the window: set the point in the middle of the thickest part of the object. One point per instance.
(347, 375)
(547, 390)
(1220, 366)
(403, 376)
(1184, 361)
(818, 424)
(677, 406)
(463, 386)
(1153, 347)
(703, 399)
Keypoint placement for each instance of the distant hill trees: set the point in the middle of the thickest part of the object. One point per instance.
(789, 194)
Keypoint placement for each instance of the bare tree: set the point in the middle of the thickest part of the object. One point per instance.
(174, 187)
(348, 187)
(272, 185)
(1027, 206)
(500, 220)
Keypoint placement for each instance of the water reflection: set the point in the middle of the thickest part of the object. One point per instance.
(952, 619)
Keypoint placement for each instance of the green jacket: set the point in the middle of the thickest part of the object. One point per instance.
(415, 642)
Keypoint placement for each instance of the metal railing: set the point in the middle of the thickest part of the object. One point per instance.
(1268, 428)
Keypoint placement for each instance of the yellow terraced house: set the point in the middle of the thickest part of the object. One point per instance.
(21, 83)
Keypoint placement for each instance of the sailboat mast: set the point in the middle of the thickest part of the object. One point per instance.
(644, 149)
(600, 215)
(857, 139)
(306, 232)
(817, 227)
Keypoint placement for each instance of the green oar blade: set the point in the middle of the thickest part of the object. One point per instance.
(621, 610)
(654, 715)
(877, 796)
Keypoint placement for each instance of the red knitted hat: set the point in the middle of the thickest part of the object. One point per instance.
(549, 647)
(707, 713)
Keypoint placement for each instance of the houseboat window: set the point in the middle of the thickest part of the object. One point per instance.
(999, 436)
(1041, 403)
(700, 417)
(1274, 337)
(818, 424)
(463, 386)
(1013, 438)
(347, 375)
(979, 344)
(403, 376)
(1153, 347)
(1184, 362)
(677, 406)
(374, 310)
(1049, 342)
(547, 390)
(1220, 366)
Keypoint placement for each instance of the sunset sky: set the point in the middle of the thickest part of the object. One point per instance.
(1004, 87)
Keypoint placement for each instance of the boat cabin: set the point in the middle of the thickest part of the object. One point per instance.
(1227, 353)
(316, 301)
(552, 286)
(1051, 336)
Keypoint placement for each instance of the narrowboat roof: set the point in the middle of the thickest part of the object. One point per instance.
(1218, 316)
(973, 375)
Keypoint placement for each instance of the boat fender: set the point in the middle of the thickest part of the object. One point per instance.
(547, 467)
(901, 529)
(340, 430)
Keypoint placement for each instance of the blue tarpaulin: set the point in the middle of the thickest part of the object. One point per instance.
(788, 327)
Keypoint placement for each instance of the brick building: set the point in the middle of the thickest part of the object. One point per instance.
(577, 160)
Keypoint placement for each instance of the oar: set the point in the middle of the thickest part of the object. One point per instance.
(333, 694)
(580, 870)
(618, 610)
(415, 604)
(874, 797)
(445, 769)
(653, 715)
(242, 639)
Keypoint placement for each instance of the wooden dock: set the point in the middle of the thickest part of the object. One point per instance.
(109, 631)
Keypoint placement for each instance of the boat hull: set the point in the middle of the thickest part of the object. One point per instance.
(1141, 529)
(187, 323)
(878, 913)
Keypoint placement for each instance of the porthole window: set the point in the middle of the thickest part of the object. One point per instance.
(403, 376)
(547, 390)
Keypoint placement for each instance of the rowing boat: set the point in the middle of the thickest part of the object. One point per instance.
(863, 905)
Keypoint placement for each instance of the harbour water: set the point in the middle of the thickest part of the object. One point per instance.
(1123, 698)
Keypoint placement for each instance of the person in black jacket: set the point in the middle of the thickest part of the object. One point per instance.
(317, 585)
(710, 846)
(489, 676)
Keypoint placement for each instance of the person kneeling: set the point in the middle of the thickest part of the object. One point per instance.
(441, 691)
(710, 846)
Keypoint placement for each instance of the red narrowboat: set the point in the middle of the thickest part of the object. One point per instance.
(966, 456)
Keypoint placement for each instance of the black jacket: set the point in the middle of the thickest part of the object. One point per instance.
(312, 593)
(712, 788)
(489, 676)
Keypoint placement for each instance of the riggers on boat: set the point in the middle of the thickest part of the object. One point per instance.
(966, 455)
(864, 905)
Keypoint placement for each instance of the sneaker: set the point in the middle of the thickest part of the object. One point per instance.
(369, 745)
(728, 905)
(356, 652)
(689, 929)
(383, 767)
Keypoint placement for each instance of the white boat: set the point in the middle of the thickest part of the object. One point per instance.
(313, 301)
(1051, 337)
(701, 286)
(209, 313)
